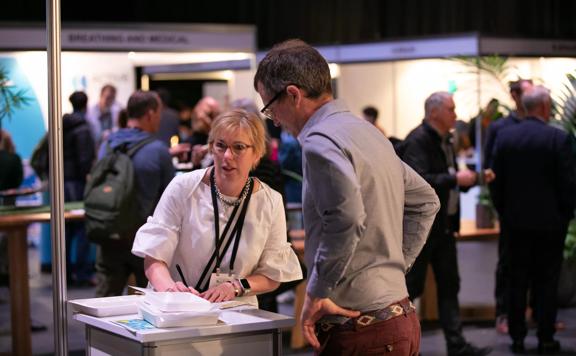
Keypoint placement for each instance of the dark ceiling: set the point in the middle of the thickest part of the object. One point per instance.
(328, 21)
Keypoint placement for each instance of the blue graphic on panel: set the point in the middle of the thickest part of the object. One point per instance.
(26, 125)
(80, 83)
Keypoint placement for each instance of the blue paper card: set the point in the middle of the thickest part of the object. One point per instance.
(135, 324)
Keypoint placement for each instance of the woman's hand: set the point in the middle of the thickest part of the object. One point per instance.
(158, 274)
(180, 287)
(221, 293)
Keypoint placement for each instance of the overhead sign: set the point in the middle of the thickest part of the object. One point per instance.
(522, 47)
(141, 38)
(442, 47)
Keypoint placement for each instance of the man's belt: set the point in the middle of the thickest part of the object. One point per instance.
(402, 307)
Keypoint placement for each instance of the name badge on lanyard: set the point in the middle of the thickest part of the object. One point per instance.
(218, 278)
(230, 236)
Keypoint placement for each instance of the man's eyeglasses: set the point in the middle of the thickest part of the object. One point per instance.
(266, 109)
(237, 148)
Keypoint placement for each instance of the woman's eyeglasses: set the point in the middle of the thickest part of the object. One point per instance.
(237, 148)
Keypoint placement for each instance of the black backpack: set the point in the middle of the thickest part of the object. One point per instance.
(110, 206)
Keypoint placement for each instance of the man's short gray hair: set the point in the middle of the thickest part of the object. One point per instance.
(533, 98)
(294, 62)
(435, 100)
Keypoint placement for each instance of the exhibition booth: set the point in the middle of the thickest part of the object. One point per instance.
(393, 76)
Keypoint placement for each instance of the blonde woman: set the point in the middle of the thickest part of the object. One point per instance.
(220, 208)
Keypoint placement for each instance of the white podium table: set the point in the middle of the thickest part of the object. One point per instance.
(240, 332)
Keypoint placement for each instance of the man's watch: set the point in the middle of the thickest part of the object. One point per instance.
(246, 288)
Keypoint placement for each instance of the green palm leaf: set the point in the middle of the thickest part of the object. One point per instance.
(11, 98)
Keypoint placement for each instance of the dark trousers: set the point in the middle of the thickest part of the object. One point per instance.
(82, 268)
(502, 276)
(397, 336)
(440, 252)
(502, 267)
(113, 266)
(535, 262)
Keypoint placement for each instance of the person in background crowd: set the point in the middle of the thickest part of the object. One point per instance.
(266, 170)
(103, 116)
(206, 110)
(516, 89)
(184, 127)
(429, 150)
(122, 119)
(169, 121)
(487, 116)
(221, 203)
(153, 171)
(290, 158)
(534, 194)
(79, 155)
(11, 172)
(366, 216)
(370, 114)
(11, 175)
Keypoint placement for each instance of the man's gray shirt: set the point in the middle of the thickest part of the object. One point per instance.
(366, 214)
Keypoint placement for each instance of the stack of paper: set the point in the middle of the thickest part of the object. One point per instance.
(173, 309)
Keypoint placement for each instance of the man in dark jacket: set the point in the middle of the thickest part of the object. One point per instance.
(516, 90)
(79, 156)
(11, 175)
(79, 153)
(428, 149)
(11, 172)
(169, 120)
(534, 195)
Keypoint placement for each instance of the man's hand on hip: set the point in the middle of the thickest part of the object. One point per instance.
(313, 310)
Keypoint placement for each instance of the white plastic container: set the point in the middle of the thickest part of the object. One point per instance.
(108, 306)
(162, 319)
(177, 302)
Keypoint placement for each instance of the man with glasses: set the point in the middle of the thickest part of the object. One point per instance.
(366, 215)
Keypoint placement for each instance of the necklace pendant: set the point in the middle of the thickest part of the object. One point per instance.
(240, 198)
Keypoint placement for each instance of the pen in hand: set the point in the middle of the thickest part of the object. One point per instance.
(181, 275)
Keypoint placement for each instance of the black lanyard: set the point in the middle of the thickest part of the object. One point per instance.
(237, 229)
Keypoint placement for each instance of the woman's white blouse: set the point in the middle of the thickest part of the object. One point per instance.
(181, 231)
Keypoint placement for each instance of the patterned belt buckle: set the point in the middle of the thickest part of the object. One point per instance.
(326, 326)
(396, 310)
(364, 320)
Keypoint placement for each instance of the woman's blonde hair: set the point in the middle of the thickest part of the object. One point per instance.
(241, 119)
